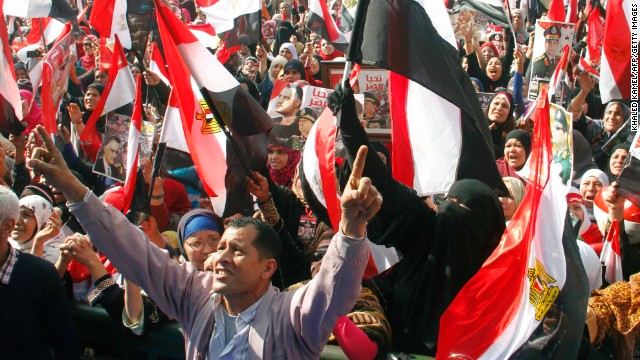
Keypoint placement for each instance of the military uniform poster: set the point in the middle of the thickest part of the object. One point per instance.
(561, 138)
(550, 38)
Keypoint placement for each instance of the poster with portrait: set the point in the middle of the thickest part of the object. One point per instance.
(629, 179)
(293, 103)
(550, 38)
(112, 154)
(561, 139)
(372, 83)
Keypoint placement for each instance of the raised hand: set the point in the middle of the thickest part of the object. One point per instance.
(258, 188)
(360, 200)
(54, 168)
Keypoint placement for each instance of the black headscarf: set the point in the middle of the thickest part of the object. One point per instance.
(462, 240)
(500, 131)
(607, 170)
(523, 137)
(284, 30)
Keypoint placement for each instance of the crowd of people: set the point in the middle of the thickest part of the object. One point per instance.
(276, 279)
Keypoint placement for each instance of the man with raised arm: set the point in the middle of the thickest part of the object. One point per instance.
(233, 312)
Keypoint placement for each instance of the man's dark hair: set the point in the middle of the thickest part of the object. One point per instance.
(267, 241)
(113, 138)
(296, 89)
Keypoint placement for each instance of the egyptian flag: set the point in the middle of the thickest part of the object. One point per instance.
(321, 22)
(198, 79)
(556, 11)
(47, 29)
(206, 34)
(173, 152)
(55, 74)
(615, 82)
(585, 66)
(611, 256)
(493, 9)
(318, 177)
(595, 36)
(133, 144)
(10, 102)
(521, 302)
(560, 73)
(157, 64)
(59, 9)
(119, 91)
(572, 12)
(109, 18)
(437, 121)
(106, 54)
(232, 18)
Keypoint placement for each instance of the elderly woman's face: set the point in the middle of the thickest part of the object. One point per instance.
(499, 110)
(487, 53)
(589, 189)
(617, 161)
(613, 118)
(494, 69)
(514, 154)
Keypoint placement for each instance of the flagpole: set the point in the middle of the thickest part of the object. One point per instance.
(513, 32)
(157, 160)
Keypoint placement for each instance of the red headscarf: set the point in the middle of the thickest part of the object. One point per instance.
(34, 117)
(284, 176)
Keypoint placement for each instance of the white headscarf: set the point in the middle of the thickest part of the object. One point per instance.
(277, 60)
(592, 265)
(516, 189)
(41, 209)
(291, 48)
(599, 174)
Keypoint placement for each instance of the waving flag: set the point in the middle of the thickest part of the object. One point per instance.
(47, 29)
(108, 18)
(595, 36)
(198, 79)
(10, 102)
(493, 9)
(133, 144)
(59, 9)
(206, 34)
(232, 18)
(572, 12)
(119, 91)
(615, 82)
(321, 22)
(157, 64)
(611, 256)
(585, 66)
(556, 11)
(437, 121)
(521, 301)
(55, 77)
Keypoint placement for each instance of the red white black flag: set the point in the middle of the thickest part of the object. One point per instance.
(437, 121)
